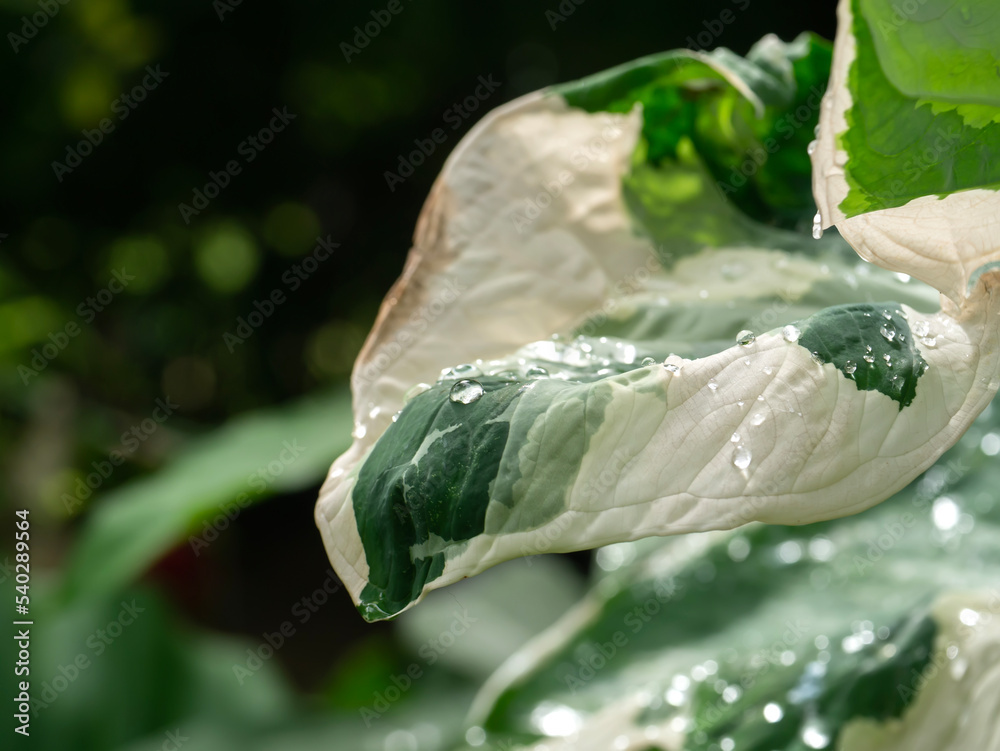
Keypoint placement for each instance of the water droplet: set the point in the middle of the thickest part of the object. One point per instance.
(811, 148)
(929, 341)
(757, 419)
(741, 458)
(814, 356)
(921, 328)
(887, 332)
(740, 403)
(647, 361)
(767, 370)
(466, 392)
(671, 368)
(817, 226)
(735, 438)
(535, 371)
(868, 359)
(712, 384)
(850, 366)
(888, 359)
(360, 431)
(745, 338)
(760, 397)
(791, 333)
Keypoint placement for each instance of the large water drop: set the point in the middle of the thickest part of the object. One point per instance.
(741, 458)
(466, 392)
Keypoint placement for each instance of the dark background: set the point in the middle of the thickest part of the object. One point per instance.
(322, 175)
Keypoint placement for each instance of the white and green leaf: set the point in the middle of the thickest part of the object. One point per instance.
(580, 276)
(876, 631)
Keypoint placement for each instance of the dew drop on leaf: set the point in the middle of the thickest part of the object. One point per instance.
(791, 333)
(817, 226)
(745, 338)
(466, 392)
(741, 458)
(647, 361)
(850, 366)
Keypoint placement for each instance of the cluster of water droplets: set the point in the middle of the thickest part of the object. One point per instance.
(581, 359)
(922, 329)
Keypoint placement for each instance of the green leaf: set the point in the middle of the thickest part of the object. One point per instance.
(213, 479)
(904, 164)
(916, 72)
(870, 344)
